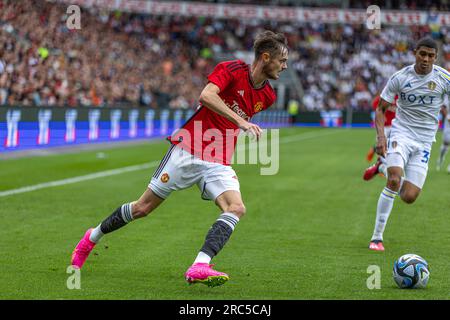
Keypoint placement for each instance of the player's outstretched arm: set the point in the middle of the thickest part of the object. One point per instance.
(210, 98)
(381, 147)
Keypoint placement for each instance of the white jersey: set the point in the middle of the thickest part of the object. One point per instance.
(420, 98)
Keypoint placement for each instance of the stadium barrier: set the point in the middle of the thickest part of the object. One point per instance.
(335, 118)
(24, 128)
(42, 127)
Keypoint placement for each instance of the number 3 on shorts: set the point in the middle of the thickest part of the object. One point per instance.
(426, 156)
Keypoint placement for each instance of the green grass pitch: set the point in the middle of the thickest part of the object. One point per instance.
(305, 234)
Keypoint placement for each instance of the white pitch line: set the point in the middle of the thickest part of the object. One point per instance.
(90, 176)
(308, 135)
(107, 173)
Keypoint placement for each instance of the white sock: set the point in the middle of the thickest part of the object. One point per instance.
(96, 234)
(202, 258)
(384, 208)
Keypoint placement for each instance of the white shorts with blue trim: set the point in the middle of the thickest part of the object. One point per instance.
(410, 155)
(180, 170)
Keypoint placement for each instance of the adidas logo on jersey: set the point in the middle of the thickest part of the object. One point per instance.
(241, 92)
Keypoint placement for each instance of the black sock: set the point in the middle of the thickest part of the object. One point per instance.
(120, 217)
(219, 234)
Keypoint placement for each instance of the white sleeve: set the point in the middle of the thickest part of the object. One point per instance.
(391, 89)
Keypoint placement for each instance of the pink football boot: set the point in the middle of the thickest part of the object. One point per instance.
(376, 245)
(82, 250)
(204, 273)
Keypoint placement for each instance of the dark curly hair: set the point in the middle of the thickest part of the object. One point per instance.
(427, 42)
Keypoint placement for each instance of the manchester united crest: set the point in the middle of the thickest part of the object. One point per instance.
(164, 178)
(258, 106)
(431, 85)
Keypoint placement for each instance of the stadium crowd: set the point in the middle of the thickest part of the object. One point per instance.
(111, 59)
(442, 5)
(347, 66)
(120, 58)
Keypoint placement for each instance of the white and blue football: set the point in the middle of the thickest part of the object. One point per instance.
(411, 271)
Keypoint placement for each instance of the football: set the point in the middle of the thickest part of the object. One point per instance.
(411, 271)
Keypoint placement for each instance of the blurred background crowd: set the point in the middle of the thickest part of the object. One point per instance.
(162, 62)
(360, 4)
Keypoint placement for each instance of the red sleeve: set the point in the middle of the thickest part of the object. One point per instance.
(375, 102)
(221, 76)
(389, 116)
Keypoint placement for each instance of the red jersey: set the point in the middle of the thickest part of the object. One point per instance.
(388, 115)
(210, 136)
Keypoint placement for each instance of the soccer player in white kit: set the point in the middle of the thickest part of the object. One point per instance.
(445, 138)
(421, 88)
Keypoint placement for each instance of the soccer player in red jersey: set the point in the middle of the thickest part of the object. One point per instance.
(389, 116)
(201, 152)
(379, 166)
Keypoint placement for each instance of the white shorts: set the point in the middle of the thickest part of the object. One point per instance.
(412, 156)
(180, 170)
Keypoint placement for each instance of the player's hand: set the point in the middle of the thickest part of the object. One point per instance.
(381, 147)
(252, 129)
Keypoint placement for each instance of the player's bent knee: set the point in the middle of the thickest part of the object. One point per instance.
(141, 210)
(237, 209)
(393, 182)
